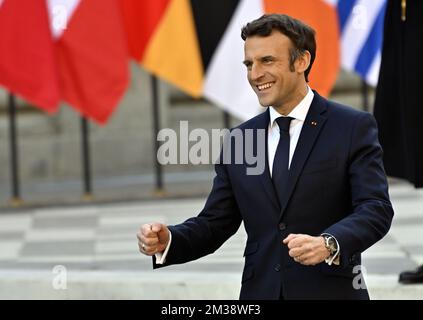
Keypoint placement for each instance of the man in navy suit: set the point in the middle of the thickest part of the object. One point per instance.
(322, 198)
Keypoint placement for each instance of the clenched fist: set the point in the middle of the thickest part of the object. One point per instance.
(305, 249)
(153, 238)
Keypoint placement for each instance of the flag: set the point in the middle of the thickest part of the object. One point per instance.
(361, 28)
(196, 45)
(27, 58)
(92, 55)
(140, 20)
(172, 51)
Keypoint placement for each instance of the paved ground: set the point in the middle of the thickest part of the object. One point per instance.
(97, 246)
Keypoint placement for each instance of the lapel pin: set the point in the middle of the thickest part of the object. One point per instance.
(314, 123)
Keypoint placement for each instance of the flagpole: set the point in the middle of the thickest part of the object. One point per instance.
(158, 169)
(14, 155)
(365, 95)
(226, 120)
(86, 160)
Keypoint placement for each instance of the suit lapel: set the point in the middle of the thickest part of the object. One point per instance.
(265, 179)
(312, 126)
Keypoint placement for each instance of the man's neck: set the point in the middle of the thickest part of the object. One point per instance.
(298, 95)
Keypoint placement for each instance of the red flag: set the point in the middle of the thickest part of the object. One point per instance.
(93, 59)
(27, 63)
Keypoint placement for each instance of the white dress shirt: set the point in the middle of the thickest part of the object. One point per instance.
(298, 114)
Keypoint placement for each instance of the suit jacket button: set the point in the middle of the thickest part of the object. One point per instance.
(282, 226)
(277, 267)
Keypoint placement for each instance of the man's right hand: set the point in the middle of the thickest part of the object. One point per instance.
(153, 238)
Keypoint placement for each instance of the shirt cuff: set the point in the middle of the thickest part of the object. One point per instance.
(335, 259)
(161, 256)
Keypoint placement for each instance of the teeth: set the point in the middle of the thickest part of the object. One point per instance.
(264, 86)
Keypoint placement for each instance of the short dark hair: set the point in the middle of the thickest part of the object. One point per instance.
(301, 35)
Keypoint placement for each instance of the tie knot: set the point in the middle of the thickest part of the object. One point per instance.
(283, 123)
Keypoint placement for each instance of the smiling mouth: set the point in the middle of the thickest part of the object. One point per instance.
(264, 86)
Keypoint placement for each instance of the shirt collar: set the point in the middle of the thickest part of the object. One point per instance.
(300, 110)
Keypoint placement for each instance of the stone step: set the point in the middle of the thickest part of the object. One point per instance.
(158, 285)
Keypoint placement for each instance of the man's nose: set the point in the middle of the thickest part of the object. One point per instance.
(256, 72)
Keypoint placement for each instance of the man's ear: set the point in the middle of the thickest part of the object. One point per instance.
(303, 62)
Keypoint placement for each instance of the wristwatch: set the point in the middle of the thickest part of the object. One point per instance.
(330, 244)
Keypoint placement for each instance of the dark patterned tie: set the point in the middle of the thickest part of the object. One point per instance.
(281, 161)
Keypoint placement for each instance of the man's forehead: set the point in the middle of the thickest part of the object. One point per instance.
(268, 45)
(274, 35)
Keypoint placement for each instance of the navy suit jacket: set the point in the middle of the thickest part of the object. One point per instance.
(336, 185)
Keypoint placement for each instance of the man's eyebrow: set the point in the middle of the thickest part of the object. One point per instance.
(267, 58)
(246, 62)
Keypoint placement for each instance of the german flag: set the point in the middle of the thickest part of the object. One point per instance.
(196, 44)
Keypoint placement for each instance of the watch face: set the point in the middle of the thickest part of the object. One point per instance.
(331, 245)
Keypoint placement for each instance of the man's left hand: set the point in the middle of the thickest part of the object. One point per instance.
(306, 249)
